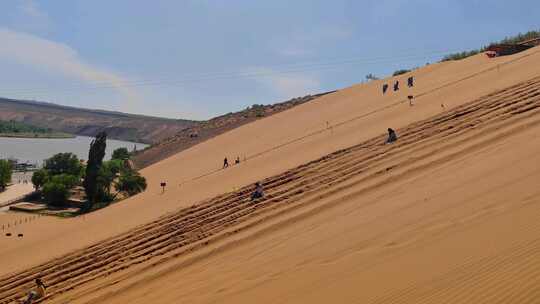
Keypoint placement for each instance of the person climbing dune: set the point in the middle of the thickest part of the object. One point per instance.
(37, 293)
(392, 137)
(258, 193)
(410, 82)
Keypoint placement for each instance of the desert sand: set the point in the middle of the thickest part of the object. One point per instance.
(447, 214)
(15, 191)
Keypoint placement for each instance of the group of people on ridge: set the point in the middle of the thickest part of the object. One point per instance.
(410, 84)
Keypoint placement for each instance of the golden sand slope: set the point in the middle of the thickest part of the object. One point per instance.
(404, 221)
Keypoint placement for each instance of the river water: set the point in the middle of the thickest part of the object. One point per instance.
(35, 150)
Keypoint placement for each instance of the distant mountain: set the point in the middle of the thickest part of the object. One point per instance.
(89, 122)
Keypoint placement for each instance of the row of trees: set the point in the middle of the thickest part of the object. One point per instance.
(64, 171)
(19, 127)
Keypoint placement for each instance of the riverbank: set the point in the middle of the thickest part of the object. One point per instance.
(34, 150)
(37, 135)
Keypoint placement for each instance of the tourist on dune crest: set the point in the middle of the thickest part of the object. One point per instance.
(258, 193)
(37, 293)
(410, 82)
(392, 136)
(384, 88)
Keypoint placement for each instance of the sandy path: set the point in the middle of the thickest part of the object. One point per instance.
(370, 167)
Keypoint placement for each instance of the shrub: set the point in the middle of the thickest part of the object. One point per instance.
(121, 153)
(462, 55)
(401, 72)
(55, 194)
(63, 163)
(69, 181)
(5, 174)
(106, 175)
(370, 77)
(131, 183)
(39, 178)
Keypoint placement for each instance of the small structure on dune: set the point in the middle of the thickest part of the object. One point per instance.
(510, 49)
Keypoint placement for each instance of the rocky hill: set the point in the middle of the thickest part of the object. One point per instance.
(130, 127)
(205, 130)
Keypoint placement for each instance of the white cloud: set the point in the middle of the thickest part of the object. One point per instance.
(57, 58)
(287, 85)
(30, 8)
(31, 17)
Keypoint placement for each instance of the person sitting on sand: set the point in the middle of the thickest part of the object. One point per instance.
(36, 293)
(258, 193)
(392, 137)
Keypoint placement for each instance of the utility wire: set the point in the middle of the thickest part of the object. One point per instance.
(295, 68)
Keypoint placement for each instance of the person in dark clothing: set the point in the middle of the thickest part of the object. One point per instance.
(237, 161)
(258, 193)
(225, 163)
(35, 294)
(410, 82)
(396, 85)
(392, 137)
(410, 100)
(384, 88)
(163, 185)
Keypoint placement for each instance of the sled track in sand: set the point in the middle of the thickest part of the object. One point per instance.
(365, 164)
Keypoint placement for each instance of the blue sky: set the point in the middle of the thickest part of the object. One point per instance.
(196, 58)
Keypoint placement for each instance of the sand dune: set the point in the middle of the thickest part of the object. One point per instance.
(448, 214)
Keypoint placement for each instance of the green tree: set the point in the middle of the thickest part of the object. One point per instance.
(95, 160)
(107, 174)
(69, 181)
(55, 193)
(5, 174)
(131, 182)
(63, 163)
(120, 153)
(39, 178)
